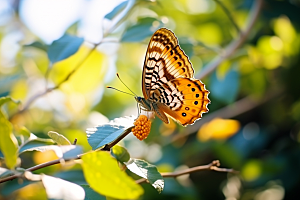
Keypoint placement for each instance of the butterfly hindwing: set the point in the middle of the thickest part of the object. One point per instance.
(184, 99)
(164, 61)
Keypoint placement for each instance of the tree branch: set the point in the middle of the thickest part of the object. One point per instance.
(214, 166)
(235, 44)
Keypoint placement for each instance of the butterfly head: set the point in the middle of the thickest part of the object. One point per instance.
(143, 102)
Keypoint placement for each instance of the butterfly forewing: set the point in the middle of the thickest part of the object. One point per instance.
(164, 61)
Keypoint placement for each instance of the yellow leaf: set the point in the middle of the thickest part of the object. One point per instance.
(218, 129)
(103, 174)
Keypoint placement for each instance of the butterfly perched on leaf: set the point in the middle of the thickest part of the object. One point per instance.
(168, 82)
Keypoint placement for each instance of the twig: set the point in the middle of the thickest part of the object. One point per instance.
(227, 12)
(75, 141)
(107, 147)
(235, 44)
(214, 166)
(40, 166)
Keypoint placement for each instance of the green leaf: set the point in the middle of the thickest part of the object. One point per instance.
(58, 138)
(8, 142)
(5, 172)
(120, 153)
(90, 194)
(64, 151)
(107, 133)
(63, 48)
(225, 89)
(34, 142)
(103, 174)
(147, 171)
(116, 10)
(57, 188)
(38, 45)
(144, 28)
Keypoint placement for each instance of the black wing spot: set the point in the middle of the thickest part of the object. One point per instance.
(180, 64)
(175, 57)
(197, 95)
(189, 85)
(193, 89)
(184, 114)
(196, 102)
(187, 108)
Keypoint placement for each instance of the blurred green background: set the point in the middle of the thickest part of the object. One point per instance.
(253, 123)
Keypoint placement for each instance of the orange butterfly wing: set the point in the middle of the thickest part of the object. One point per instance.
(168, 81)
(183, 99)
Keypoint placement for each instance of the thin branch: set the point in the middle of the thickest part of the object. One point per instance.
(213, 166)
(227, 12)
(40, 166)
(107, 147)
(75, 141)
(235, 44)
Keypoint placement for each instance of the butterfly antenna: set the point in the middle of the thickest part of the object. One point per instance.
(126, 85)
(118, 90)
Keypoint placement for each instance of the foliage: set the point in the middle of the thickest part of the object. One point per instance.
(51, 92)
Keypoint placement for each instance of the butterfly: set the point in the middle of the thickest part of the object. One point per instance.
(168, 82)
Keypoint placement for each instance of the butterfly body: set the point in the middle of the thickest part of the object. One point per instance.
(168, 82)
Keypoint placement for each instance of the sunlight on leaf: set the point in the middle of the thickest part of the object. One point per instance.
(87, 77)
(218, 129)
(147, 171)
(104, 176)
(107, 133)
(58, 138)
